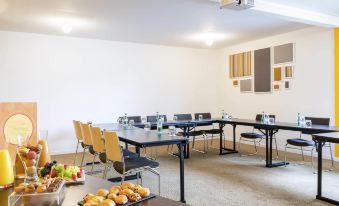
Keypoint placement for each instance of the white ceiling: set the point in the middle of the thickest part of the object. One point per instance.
(165, 22)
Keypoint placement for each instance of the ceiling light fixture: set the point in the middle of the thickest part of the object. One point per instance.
(67, 28)
(209, 42)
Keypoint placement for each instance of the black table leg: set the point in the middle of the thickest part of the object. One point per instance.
(267, 149)
(187, 147)
(269, 140)
(227, 150)
(182, 173)
(137, 151)
(320, 167)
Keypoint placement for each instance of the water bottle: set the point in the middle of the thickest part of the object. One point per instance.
(222, 114)
(157, 117)
(159, 125)
(125, 122)
(298, 120)
(263, 117)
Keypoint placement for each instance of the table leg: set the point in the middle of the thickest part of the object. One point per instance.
(187, 147)
(228, 151)
(320, 166)
(182, 173)
(269, 141)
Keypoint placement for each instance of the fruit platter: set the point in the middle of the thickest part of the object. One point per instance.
(71, 174)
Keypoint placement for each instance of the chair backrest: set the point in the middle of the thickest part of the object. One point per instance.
(184, 117)
(86, 134)
(319, 120)
(153, 118)
(258, 117)
(204, 115)
(77, 129)
(113, 149)
(137, 119)
(97, 140)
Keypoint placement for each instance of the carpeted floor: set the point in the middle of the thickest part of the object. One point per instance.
(211, 179)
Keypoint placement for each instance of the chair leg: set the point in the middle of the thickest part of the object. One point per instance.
(276, 147)
(93, 162)
(105, 171)
(83, 156)
(285, 154)
(76, 152)
(158, 174)
(332, 161)
(141, 178)
(122, 178)
(312, 160)
(239, 146)
(302, 153)
(138, 174)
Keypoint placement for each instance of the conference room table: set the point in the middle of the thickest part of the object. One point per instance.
(269, 130)
(321, 139)
(75, 193)
(142, 139)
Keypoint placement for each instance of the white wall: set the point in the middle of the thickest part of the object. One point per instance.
(94, 80)
(312, 89)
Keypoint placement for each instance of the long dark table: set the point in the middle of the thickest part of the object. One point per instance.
(321, 139)
(269, 130)
(75, 193)
(142, 139)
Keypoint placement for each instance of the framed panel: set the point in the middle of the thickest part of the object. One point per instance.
(289, 72)
(235, 83)
(287, 85)
(246, 85)
(262, 70)
(284, 53)
(276, 87)
(277, 74)
(240, 65)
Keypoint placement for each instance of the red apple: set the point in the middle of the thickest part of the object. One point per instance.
(79, 174)
(74, 177)
(53, 173)
(31, 155)
(65, 166)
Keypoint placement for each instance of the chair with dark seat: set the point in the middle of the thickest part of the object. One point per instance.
(194, 133)
(153, 118)
(126, 166)
(300, 143)
(212, 132)
(136, 119)
(256, 138)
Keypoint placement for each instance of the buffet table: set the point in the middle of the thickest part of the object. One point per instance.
(75, 193)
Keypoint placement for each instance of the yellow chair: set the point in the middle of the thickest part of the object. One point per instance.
(125, 165)
(86, 134)
(78, 135)
(98, 145)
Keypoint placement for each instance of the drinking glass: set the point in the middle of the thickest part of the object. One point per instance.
(271, 121)
(143, 120)
(6, 167)
(131, 123)
(308, 123)
(175, 118)
(172, 130)
(200, 117)
(119, 120)
(147, 126)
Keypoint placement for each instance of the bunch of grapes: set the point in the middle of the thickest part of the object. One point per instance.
(46, 170)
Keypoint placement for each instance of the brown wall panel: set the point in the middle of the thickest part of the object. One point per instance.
(262, 70)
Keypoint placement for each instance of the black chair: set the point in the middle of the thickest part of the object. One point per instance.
(193, 133)
(211, 132)
(300, 143)
(153, 118)
(256, 138)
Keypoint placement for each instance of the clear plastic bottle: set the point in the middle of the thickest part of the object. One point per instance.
(159, 125)
(298, 120)
(125, 122)
(222, 114)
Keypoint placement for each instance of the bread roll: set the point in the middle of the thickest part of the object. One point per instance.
(107, 202)
(134, 197)
(144, 192)
(126, 192)
(121, 199)
(127, 185)
(111, 196)
(115, 190)
(137, 188)
(102, 192)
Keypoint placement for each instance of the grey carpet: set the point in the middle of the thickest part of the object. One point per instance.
(211, 179)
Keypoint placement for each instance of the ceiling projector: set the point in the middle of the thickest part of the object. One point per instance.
(236, 4)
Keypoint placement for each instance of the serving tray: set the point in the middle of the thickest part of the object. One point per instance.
(81, 203)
